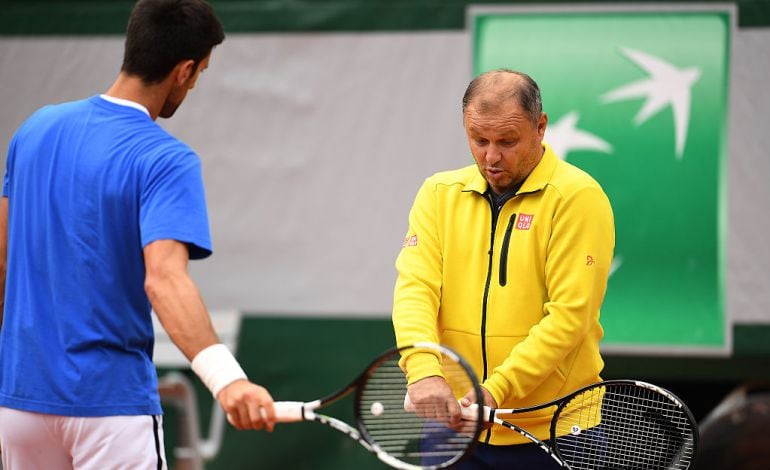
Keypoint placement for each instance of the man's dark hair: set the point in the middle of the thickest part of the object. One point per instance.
(526, 92)
(162, 33)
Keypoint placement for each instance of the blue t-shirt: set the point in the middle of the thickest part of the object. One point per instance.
(89, 184)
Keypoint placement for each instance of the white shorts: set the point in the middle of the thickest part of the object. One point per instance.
(40, 441)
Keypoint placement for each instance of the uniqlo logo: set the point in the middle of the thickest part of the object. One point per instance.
(524, 222)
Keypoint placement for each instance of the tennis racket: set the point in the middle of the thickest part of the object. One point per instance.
(616, 424)
(400, 438)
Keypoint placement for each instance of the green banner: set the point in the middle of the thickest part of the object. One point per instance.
(639, 100)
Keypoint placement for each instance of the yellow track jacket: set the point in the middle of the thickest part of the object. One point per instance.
(518, 295)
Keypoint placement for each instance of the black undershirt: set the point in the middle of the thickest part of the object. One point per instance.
(499, 200)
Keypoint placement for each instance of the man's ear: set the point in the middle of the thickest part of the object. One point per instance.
(184, 71)
(541, 124)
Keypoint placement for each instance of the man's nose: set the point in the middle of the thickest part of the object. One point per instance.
(493, 154)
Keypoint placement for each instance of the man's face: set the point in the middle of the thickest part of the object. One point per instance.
(504, 141)
(178, 93)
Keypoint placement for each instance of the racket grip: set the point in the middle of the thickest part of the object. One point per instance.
(471, 413)
(289, 411)
(408, 405)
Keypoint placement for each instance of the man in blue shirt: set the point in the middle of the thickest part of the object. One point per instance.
(101, 211)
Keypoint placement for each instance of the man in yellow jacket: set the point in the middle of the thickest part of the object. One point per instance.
(506, 261)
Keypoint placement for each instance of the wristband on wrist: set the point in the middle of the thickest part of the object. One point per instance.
(217, 368)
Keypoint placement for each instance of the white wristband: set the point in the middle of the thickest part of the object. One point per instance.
(217, 367)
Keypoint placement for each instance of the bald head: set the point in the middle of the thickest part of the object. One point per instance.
(487, 92)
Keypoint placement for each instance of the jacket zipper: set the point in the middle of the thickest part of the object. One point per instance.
(495, 213)
(504, 252)
(503, 279)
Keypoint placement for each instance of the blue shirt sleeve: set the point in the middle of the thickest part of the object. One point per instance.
(173, 204)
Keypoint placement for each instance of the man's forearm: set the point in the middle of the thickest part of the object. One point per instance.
(181, 311)
(175, 297)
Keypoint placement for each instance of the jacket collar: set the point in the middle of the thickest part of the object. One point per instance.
(541, 175)
(536, 181)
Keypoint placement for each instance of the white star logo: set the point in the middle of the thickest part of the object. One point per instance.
(666, 85)
(564, 136)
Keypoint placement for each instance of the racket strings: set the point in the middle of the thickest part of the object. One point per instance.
(403, 434)
(624, 427)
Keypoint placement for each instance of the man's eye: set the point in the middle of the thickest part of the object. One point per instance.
(480, 141)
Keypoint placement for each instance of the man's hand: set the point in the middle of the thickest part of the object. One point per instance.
(247, 405)
(470, 398)
(433, 399)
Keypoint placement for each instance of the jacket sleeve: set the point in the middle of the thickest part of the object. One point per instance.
(417, 293)
(579, 255)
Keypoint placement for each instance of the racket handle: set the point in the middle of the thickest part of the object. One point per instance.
(408, 405)
(289, 411)
(471, 412)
